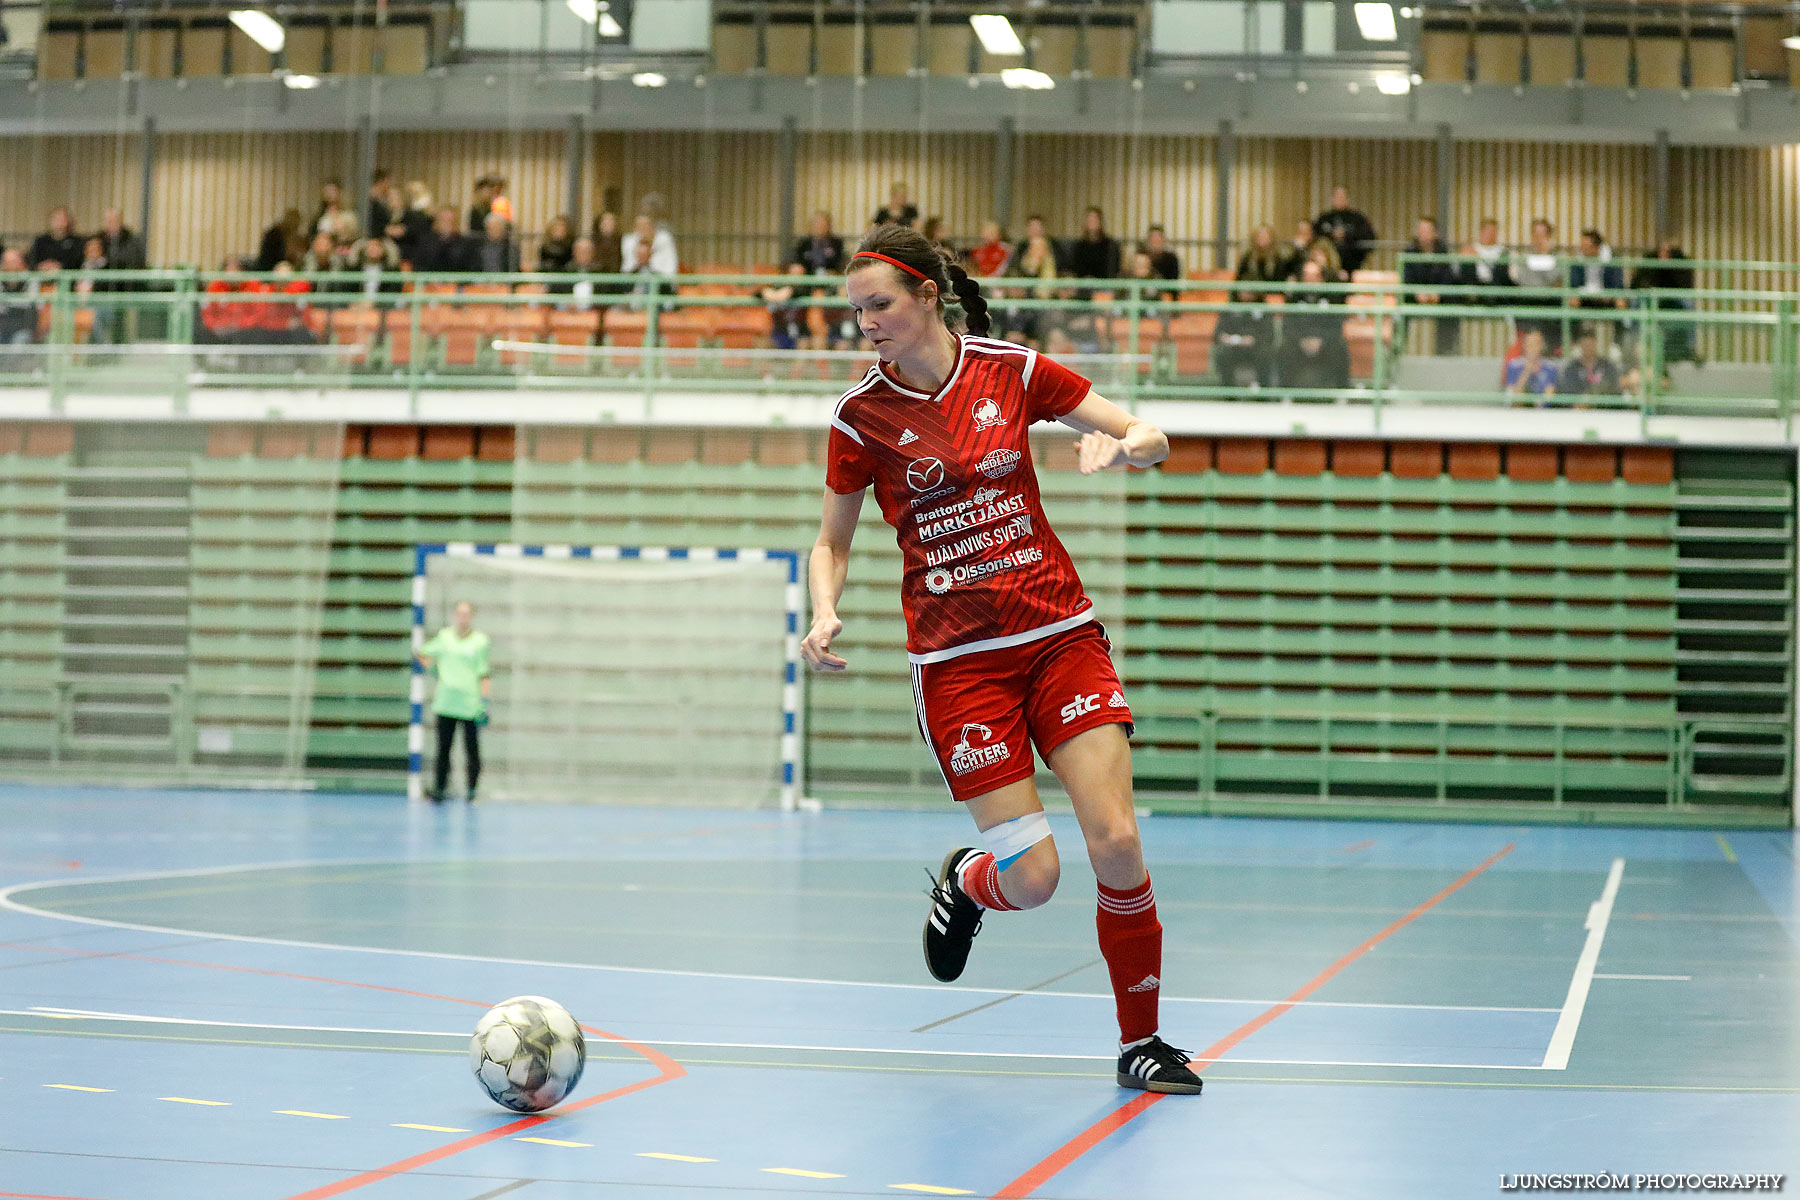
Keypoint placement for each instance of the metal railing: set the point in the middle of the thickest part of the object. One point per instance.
(164, 333)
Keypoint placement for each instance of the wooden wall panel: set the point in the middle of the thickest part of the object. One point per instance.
(217, 192)
(89, 174)
(1135, 182)
(849, 175)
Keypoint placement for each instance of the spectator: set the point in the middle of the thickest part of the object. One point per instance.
(648, 248)
(382, 208)
(481, 202)
(59, 245)
(497, 253)
(1348, 229)
(1588, 372)
(1304, 237)
(991, 256)
(1264, 261)
(787, 320)
(1427, 277)
(1243, 346)
(226, 320)
(898, 210)
(18, 311)
(1036, 261)
(933, 229)
(1540, 268)
(1324, 255)
(1678, 343)
(334, 216)
(1035, 228)
(607, 256)
(558, 246)
(443, 248)
(1314, 353)
(281, 242)
(1095, 255)
(377, 259)
(1164, 264)
(415, 221)
(91, 283)
(582, 263)
(501, 204)
(323, 255)
(124, 249)
(1490, 268)
(279, 322)
(1529, 373)
(1595, 274)
(821, 251)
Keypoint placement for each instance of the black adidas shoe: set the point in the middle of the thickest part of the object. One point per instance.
(1156, 1066)
(952, 923)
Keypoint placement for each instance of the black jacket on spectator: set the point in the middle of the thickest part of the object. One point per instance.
(909, 216)
(378, 216)
(1094, 258)
(418, 228)
(18, 312)
(1580, 379)
(65, 250)
(1350, 230)
(555, 255)
(437, 253)
(274, 248)
(496, 258)
(1274, 265)
(1165, 265)
(1675, 275)
(1429, 276)
(820, 256)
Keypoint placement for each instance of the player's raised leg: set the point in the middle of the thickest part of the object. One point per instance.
(1095, 768)
(1018, 870)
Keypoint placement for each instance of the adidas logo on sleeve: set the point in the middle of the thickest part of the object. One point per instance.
(908, 438)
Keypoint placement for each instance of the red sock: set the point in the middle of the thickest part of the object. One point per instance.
(980, 878)
(1131, 941)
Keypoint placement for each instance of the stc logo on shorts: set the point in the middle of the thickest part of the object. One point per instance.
(999, 463)
(923, 474)
(968, 755)
(1080, 707)
(986, 414)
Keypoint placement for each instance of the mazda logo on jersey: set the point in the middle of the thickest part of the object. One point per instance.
(923, 474)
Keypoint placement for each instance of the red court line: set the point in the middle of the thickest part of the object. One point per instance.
(1090, 1137)
(667, 1070)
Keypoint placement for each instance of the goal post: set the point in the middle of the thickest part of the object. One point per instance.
(623, 674)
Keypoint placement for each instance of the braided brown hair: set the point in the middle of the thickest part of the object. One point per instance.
(933, 261)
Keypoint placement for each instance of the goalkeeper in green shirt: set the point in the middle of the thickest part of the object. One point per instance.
(459, 656)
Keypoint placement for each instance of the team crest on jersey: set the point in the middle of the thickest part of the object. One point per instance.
(999, 463)
(968, 756)
(923, 474)
(987, 414)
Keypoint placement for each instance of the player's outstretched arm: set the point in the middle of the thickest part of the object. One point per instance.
(1112, 437)
(826, 572)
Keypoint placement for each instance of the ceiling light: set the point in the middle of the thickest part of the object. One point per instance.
(1025, 77)
(302, 83)
(1792, 43)
(996, 34)
(649, 79)
(1393, 85)
(1376, 21)
(610, 27)
(260, 28)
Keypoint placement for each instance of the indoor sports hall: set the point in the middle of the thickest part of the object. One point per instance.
(416, 420)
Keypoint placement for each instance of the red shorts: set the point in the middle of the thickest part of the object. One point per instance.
(982, 712)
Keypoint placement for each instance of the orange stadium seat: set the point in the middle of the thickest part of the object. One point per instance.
(355, 327)
(742, 329)
(574, 329)
(625, 327)
(1149, 334)
(1192, 334)
(519, 325)
(682, 329)
(399, 337)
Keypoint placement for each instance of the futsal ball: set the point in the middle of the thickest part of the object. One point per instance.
(527, 1053)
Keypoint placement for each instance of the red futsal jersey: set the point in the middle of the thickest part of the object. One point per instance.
(952, 472)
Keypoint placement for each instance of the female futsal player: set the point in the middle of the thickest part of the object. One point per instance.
(1003, 642)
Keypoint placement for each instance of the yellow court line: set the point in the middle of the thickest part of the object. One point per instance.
(74, 1087)
(1730, 854)
(429, 1128)
(935, 1191)
(674, 1157)
(555, 1142)
(190, 1100)
(300, 1112)
(800, 1173)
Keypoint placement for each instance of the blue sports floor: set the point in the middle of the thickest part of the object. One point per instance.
(268, 997)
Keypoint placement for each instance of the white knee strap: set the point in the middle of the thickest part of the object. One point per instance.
(1010, 839)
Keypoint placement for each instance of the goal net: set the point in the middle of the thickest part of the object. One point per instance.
(629, 675)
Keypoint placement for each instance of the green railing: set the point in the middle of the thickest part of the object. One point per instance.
(163, 333)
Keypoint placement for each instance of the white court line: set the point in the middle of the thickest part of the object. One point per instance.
(7, 902)
(1668, 978)
(74, 1014)
(1562, 1041)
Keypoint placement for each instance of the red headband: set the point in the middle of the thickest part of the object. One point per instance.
(913, 271)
